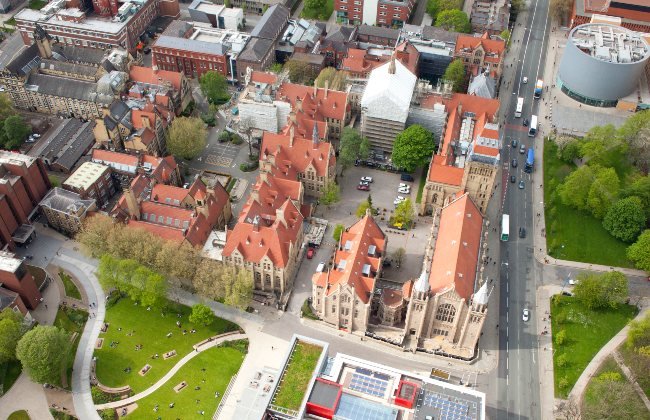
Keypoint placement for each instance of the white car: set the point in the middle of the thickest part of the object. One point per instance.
(526, 315)
(524, 80)
(366, 178)
(403, 185)
(404, 190)
(398, 200)
(36, 136)
(572, 282)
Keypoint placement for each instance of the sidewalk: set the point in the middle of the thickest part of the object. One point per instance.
(545, 350)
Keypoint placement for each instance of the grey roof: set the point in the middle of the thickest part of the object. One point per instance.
(69, 142)
(69, 67)
(177, 28)
(7, 297)
(23, 63)
(193, 45)
(432, 33)
(65, 201)
(483, 86)
(272, 22)
(256, 49)
(92, 56)
(378, 31)
(339, 33)
(10, 47)
(62, 87)
(119, 109)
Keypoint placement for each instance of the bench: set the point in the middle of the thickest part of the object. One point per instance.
(169, 354)
(178, 388)
(99, 343)
(144, 370)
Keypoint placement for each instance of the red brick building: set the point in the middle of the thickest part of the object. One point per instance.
(389, 13)
(23, 184)
(15, 276)
(633, 14)
(359, 63)
(481, 54)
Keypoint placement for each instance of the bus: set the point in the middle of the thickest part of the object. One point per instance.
(530, 160)
(505, 227)
(533, 126)
(520, 107)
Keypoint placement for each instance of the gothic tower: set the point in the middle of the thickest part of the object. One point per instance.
(43, 42)
(471, 331)
(416, 312)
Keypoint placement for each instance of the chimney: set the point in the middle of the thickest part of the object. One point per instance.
(291, 134)
(292, 116)
(327, 85)
(315, 88)
(256, 223)
(314, 136)
(391, 66)
(279, 217)
(298, 104)
(264, 177)
(132, 204)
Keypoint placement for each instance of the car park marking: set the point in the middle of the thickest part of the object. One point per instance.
(218, 161)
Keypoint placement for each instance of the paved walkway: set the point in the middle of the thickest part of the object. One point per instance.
(579, 388)
(171, 372)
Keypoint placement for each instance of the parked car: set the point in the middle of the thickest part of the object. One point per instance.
(524, 80)
(386, 263)
(522, 149)
(514, 163)
(572, 282)
(513, 179)
(36, 136)
(406, 177)
(526, 315)
(321, 267)
(522, 232)
(366, 178)
(398, 200)
(363, 187)
(525, 122)
(366, 183)
(310, 253)
(567, 294)
(522, 184)
(404, 190)
(514, 143)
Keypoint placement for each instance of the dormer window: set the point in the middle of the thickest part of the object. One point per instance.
(342, 265)
(366, 270)
(348, 245)
(372, 249)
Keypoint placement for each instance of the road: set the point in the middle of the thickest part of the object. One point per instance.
(517, 391)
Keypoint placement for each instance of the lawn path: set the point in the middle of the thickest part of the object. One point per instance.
(171, 372)
(630, 377)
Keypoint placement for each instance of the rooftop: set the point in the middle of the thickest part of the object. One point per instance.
(271, 22)
(9, 262)
(86, 175)
(65, 201)
(610, 43)
(388, 92)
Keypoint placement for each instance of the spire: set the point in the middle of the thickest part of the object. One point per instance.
(482, 296)
(391, 65)
(422, 284)
(314, 135)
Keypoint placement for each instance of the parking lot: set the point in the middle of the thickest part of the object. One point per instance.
(220, 154)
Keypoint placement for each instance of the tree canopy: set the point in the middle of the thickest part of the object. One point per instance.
(625, 219)
(201, 314)
(639, 187)
(352, 146)
(601, 291)
(635, 132)
(639, 333)
(43, 352)
(434, 7)
(639, 252)
(300, 72)
(10, 332)
(336, 79)
(404, 212)
(338, 231)
(186, 137)
(127, 276)
(413, 148)
(14, 132)
(316, 9)
(363, 206)
(454, 20)
(560, 10)
(455, 73)
(215, 87)
(331, 193)
(238, 284)
(603, 192)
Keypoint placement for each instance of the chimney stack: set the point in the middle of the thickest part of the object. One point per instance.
(279, 217)
(391, 66)
(256, 223)
(315, 88)
(327, 85)
(291, 134)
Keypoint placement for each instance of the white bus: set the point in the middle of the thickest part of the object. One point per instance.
(520, 107)
(505, 227)
(533, 126)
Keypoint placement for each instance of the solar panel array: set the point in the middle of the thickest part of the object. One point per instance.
(370, 383)
(456, 409)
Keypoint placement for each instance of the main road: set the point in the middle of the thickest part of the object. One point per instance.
(516, 393)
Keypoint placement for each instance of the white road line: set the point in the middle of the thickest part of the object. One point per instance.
(523, 61)
(507, 382)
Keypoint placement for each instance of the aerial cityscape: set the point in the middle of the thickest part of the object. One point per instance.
(324, 209)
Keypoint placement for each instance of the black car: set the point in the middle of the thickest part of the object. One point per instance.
(386, 263)
(406, 177)
(514, 143)
(514, 163)
(513, 179)
(522, 232)
(146, 50)
(525, 122)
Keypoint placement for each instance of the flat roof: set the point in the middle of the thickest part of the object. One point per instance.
(610, 43)
(324, 393)
(91, 23)
(8, 262)
(86, 175)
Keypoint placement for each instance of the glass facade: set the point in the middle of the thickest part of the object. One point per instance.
(602, 103)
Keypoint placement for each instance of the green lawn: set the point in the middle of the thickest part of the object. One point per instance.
(318, 14)
(150, 329)
(36, 4)
(571, 234)
(71, 289)
(297, 375)
(637, 365)
(220, 364)
(587, 331)
(71, 320)
(10, 371)
(18, 415)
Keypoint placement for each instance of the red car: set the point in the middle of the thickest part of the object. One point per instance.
(310, 253)
(362, 187)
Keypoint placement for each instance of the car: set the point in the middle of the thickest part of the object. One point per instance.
(513, 179)
(364, 183)
(522, 232)
(404, 190)
(522, 149)
(363, 187)
(524, 80)
(403, 185)
(366, 178)
(406, 177)
(522, 184)
(146, 50)
(386, 263)
(356, 162)
(572, 282)
(514, 163)
(525, 122)
(567, 294)
(514, 143)
(398, 200)
(321, 267)
(526, 315)
(36, 136)
(310, 253)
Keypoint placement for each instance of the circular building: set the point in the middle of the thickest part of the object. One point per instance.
(602, 63)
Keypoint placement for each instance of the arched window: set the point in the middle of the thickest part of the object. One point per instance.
(446, 313)
(435, 198)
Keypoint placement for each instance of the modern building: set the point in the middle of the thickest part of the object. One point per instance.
(387, 13)
(258, 55)
(16, 278)
(385, 103)
(435, 46)
(169, 89)
(257, 7)
(23, 184)
(92, 181)
(7, 5)
(481, 54)
(631, 14)
(102, 28)
(217, 15)
(602, 64)
(67, 144)
(490, 16)
(66, 211)
(342, 295)
(469, 153)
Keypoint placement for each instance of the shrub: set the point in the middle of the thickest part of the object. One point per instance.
(564, 382)
(209, 119)
(560, 338)
(236, 139)
(561, 360)
(224, 136)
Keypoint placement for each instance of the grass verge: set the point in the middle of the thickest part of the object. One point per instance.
(297, 375)
(571, 234)
(36, 4)
(71, 320)
(131, 325)
(71, 289)
(307, 312)
(587, 331)
(19, 415)
(638, 364)
(10, 372)
(210, 372)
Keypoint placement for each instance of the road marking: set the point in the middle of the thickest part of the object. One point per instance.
(523, 61)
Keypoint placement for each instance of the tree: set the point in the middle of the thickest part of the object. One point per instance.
(127, 276)
(404, 212)
(639, 252)
(43, 352)
(613, 398)
(602, 145)
(276, 68)
(300, 72)
(560, 10)
(568, 148)
(246, 126)
(603, 192)
(413, 148)
(639, 333)
(398, 256)
(331, 193)
(635, 132)
(338, 231)
(352, 147)
(238, 285)
(208, 280)
(315, 8)
(505, 35)
(363, 206)
(186, 137)
(640, 187)
(560, 337)
(6, 108)
(215, 87)
(96, 234)
(336, 79)
(517, 6)
(601, 291)
(454, 20)
(434, 7)
(10, 332)
(15, 132)
(455, 73)
(575, 188)
(201, 314)
(625, 219)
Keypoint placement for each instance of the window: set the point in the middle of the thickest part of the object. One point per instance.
(446, 313)
(333, 308)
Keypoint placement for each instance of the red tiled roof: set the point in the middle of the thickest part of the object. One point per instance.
(164, 232)
(167, 194)
(264, 77)
(455, 258)
(300, 154)
(109, 156)
(318, 107)
(496, 46)
(440, 172)
(137, 115)
(359, 62)
(485, 150)
(150, 76)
